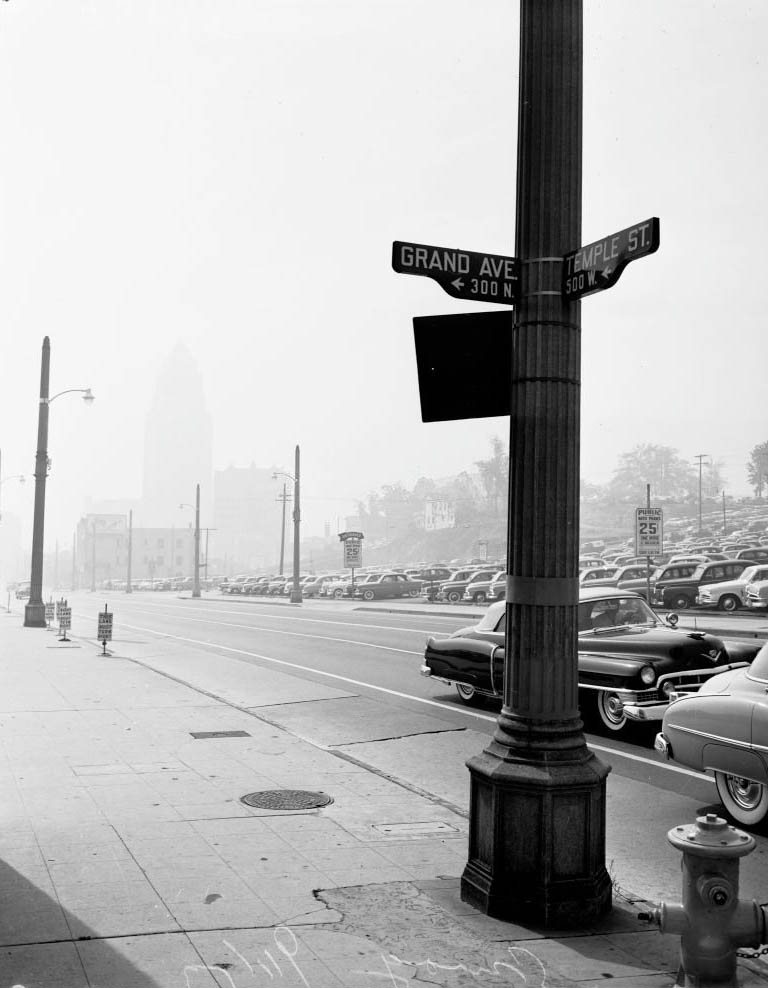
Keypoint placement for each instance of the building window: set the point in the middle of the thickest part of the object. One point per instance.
(161, 543)
(179, 560)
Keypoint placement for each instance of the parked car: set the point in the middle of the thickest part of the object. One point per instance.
(682, 592)
(453, 590)
(724, 729)
(23, 590)
(756, 596)
(630, 661)
(478, 591)
(313, 587)
(381, 586)
(757, 554)
(730, 595)
(498, 588)
(234, 584)
(598, 576)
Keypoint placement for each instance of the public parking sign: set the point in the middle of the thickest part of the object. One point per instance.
(462, 273)
(649, 531)
(599, 265)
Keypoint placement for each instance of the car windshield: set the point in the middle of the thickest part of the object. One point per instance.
(759, 667)
(611, 613)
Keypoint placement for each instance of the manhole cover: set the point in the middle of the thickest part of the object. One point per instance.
(286, 799)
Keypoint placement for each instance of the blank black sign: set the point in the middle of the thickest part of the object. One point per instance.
(464, 364)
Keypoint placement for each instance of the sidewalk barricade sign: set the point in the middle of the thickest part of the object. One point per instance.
(50, 608)
(65, 621)
(105, 628)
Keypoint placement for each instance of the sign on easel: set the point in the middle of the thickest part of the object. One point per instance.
(50, 610)
(105, 628)
(65, 621)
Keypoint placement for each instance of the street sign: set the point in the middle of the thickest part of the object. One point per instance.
(105, 626)
(649, 531)
(464, 363)
(462, 273)
(599, 265)
(353, 553)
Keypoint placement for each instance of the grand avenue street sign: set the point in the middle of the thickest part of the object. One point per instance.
(599, 265)
(462, 273)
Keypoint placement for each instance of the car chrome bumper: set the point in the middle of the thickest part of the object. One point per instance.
(646, 711)
(661, 744)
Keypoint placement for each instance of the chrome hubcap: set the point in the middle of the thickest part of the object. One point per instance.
(745, 793)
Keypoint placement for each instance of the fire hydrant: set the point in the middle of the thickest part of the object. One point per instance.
(711, 920)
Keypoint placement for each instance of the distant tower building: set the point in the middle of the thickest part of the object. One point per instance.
(177, 446)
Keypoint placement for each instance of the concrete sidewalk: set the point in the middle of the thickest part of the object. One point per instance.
(130, 861)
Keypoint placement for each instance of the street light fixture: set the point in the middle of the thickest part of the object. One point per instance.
(34, 610)
(196, 585)
(296, 591)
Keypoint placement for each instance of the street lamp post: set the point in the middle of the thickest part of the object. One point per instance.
(34, 610)
(700, 457)
(296, 590)
(196, 584)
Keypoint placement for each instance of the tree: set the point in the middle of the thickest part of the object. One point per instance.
(668, 474)
(757, 468)
(494, 473)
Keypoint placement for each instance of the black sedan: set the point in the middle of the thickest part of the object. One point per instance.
(630, 661)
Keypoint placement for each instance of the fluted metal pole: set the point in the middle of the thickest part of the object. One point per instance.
(34, 610)
(537, 800)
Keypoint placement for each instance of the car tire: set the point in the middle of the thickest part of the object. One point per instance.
(468, 695)
(729, 602)
(368, 595)
(680, 602)
(745, 801)
(610, 711)
(454, 596)
(480, 597)
(415, 593)
(338, 594)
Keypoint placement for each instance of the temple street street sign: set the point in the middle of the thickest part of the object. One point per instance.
(599, 265)
(462, 273)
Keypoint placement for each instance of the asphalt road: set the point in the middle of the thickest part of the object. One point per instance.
(375, 653)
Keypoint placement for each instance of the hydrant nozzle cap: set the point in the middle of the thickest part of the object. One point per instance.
(711, 836)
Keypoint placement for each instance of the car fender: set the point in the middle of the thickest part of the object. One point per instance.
(464, 660)
(734, 761)
(602, 669)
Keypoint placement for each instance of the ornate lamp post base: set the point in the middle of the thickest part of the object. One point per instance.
(537, 832)
(34, 616)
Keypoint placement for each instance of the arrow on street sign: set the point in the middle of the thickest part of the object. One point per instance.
(462, 273)
(599, 265)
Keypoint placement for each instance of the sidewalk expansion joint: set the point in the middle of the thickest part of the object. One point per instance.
(408, 786)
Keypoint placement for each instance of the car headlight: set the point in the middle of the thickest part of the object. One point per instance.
(648, 675)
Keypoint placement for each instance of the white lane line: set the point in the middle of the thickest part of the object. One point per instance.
(294, 634)
(405, 696)
(154, 609)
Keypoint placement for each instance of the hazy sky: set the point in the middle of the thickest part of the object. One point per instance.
(232, 173)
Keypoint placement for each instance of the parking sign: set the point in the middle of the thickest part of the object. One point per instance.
(649, 531)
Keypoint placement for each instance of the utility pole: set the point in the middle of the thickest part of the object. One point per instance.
(196, 586)
(93, 558)
(537, 793)
(128, 587)
(282, 497)
(296, 590)
(700, 457)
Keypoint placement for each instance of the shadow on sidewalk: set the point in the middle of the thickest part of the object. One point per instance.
(46, 945)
